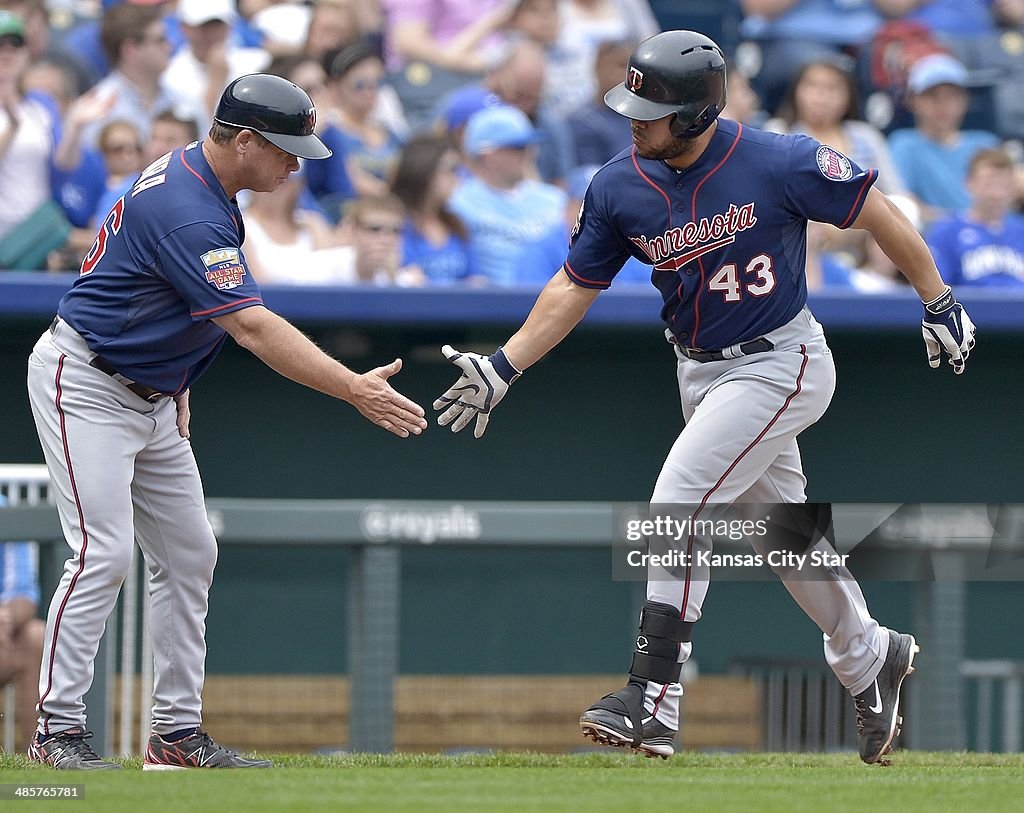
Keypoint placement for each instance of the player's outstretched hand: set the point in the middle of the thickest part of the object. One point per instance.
(483, 383)
(947, 327)
(382, 405)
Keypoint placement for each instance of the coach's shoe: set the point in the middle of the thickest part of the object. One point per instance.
(68, 751)
(619, 720)
(198, 750)
(878, 707)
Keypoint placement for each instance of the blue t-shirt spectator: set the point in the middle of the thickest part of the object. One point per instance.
(443, 265)
(971, 253)
(935, 172)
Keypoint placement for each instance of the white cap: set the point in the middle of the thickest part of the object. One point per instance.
(197, 12)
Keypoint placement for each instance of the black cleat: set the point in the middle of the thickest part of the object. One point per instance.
(878, 706)
(198, 750)
(619, 720)
(68, 751)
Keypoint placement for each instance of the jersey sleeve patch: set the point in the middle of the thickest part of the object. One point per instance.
(224, 268)
(833, 164)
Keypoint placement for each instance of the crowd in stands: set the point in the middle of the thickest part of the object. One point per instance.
(465, 132)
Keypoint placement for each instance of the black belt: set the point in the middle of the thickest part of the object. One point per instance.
(761, 345)
(104, 366)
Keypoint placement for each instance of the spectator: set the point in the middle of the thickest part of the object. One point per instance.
(434, 239)
(569, 78)
(374, 224)
(287, 244)
(598, 21)
(28, 130)
(517, 232)
(21, 632)
(167, 132)
(204, 66)
(983, 245)
(599, 133)
(364, 150)
(457, 109)
(518, 80)
(436, 47)
(742, 103)
(822, 103)
(135, 42)
(332, 26)
(780, 36)
(932, 157)
(35, 18)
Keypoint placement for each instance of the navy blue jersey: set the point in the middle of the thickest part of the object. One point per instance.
(166, 260)
(726, 236)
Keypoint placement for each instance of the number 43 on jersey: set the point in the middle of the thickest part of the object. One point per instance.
(757, 279)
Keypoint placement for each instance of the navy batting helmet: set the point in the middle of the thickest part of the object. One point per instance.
(275, 108)
(675, 72)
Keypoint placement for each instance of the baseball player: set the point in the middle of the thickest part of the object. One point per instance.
(159, 292)
(720, 211)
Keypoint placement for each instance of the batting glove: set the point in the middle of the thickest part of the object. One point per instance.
(483, 383)
(947, 326)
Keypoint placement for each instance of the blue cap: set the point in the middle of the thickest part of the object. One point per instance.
(495, 127)
(464, 102)
(934, 70)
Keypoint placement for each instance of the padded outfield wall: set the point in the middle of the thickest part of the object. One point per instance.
(593, 422)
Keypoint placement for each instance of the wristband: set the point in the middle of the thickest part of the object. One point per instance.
(943, 302)
(505, 369)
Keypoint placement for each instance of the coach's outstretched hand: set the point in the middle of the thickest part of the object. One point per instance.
(946, 326)
(379, 403)
(483, 383)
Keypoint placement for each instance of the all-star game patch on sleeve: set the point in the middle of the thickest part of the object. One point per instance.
(205, 264)
(596, 250)
(823, 184)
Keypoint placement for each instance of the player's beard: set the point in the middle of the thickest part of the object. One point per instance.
(673, 148)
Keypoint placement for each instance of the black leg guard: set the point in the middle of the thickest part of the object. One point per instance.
(657, 644)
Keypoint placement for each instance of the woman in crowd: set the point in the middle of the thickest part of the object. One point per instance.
(364, 149)
(822, 102)
(433, 238)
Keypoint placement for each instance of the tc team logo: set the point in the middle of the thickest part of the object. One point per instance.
(634, 79)
(833, 164)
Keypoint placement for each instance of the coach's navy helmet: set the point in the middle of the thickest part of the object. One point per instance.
(675, 72)
(275, 108)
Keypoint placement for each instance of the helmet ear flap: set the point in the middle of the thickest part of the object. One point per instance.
(695, 127)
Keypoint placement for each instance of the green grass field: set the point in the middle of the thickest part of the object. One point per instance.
(702, 783)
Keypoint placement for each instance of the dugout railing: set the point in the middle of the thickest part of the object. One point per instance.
(376, 533)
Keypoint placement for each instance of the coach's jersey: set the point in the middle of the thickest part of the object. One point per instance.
(726, 236)
(167, 260)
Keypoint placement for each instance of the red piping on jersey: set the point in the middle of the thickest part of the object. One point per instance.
(181, 155)
(229, 305)
(574, 275)
(728, 471)
(632, 154)
(863, 188)
(693, 214)
(81, 554)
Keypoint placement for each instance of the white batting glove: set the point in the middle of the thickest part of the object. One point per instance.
(483, 383)
(946, 326)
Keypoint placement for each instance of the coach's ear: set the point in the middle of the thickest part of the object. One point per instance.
(244, 140)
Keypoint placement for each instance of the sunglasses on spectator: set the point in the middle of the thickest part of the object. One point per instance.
(159, 39)
(123, 147)
(12, 41)
(381, 228)
(359, 85)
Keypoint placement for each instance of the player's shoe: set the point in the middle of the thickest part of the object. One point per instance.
(68, 751)
(619, 720)
(878, 706)
(197, 750)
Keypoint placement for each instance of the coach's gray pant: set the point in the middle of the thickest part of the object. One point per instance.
(120, 471)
